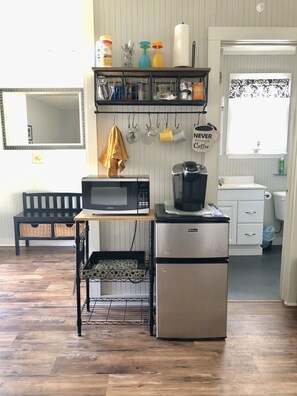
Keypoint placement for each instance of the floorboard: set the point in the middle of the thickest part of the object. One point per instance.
(41, 354)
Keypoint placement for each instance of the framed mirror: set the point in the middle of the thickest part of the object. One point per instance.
(50, 118)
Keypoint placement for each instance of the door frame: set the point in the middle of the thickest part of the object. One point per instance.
(217, 36)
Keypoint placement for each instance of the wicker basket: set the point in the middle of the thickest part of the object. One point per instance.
(35, 230)
(66, 229)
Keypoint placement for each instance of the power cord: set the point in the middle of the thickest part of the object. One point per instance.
(133, 239)
(132, 243)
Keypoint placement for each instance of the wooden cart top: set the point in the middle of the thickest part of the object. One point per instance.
(83, 217)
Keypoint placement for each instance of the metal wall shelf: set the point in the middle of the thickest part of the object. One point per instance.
(150, 78)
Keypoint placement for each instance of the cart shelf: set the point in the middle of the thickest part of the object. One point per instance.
(116, 311)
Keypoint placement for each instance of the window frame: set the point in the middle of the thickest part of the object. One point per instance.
(254, 76)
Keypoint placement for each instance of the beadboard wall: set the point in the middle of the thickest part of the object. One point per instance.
(34, 55)
(124, 20)
(138, 20)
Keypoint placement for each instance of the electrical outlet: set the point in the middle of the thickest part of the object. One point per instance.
(37, 158)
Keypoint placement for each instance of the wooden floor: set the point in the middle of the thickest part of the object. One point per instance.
(41, 354)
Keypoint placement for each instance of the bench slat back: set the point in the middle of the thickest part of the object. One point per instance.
(51, 202)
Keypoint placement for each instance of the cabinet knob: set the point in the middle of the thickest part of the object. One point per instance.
(250, 212)
(247, 234)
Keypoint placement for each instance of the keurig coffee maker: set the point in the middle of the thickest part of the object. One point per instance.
(189, 186)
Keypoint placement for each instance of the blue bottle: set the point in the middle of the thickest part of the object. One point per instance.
(144, 60)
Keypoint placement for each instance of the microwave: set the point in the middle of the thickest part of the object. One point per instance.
(117, 195)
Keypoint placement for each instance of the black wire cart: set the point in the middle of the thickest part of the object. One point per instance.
(113, 266)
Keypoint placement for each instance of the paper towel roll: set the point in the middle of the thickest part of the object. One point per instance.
(181, 49)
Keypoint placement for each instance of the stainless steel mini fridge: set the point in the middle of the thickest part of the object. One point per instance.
(191, 275)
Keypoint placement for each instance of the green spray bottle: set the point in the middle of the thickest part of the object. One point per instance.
(281, 168)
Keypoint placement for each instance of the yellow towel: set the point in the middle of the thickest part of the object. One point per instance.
(115, 154)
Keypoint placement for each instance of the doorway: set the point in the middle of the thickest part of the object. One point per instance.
(217, 37)
(255, 277)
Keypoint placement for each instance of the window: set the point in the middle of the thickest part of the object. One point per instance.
(258, 114)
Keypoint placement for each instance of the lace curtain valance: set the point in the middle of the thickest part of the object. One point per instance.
(256, 88)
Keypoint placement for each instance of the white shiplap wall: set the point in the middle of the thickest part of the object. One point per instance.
(138, 20)
(34, 55)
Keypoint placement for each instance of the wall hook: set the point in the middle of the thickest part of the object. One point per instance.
(134, 125)
(175, 120)
(158, 122)
(198, 121)
(149, 126)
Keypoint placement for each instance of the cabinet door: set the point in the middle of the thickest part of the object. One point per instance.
(230, 209)
(250, 211)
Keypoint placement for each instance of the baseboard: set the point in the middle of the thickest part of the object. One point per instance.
(245, 250)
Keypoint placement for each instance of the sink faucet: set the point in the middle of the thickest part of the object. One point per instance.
(221, 181)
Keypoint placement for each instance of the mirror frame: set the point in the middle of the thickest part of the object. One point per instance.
(51, 146)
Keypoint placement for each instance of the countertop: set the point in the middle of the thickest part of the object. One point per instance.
(216, 217)
(239, 183)
(242, 186)
(86, 217)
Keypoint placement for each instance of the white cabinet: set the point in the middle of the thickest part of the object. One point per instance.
(230, 209)
(245, 207)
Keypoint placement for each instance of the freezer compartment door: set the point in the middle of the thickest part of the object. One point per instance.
(190, 240)
(191, 300)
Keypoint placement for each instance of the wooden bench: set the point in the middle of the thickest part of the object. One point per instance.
(46, 216)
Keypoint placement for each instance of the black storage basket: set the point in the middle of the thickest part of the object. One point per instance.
(113, 266)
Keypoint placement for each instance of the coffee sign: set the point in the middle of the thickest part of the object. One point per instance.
(204, 136)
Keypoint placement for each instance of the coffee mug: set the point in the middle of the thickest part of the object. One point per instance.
(166, 135)
(149, 135)
(133, 135)
(179, 137)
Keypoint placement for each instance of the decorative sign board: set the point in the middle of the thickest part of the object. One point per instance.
(204, 136)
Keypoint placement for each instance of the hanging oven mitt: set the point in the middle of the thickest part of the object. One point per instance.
(115, 154)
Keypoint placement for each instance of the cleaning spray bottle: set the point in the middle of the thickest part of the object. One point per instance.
(281, 168)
